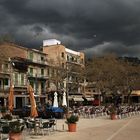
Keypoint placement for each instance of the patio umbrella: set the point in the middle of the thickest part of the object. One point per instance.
(64, 102)
(11, 98)
(55, 102)
(34, 112)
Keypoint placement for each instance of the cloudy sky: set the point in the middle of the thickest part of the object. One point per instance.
(95, 27)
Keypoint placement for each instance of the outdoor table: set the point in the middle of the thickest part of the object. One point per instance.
(7, 121)
(15, 116)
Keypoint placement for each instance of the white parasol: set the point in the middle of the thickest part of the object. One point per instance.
(64, 102)
(55, 102)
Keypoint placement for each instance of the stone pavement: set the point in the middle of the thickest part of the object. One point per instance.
(62, 128)
(92, 129)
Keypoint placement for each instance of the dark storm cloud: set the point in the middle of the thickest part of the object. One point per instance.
(116, 24)
(113, 47)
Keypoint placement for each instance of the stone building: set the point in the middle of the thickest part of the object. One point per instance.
(70, 65)
(21, 66)
(53, 68)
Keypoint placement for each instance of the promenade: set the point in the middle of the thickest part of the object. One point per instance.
(101, 128)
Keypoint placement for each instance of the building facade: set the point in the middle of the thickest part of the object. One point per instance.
(70, 66)
(54, 68)
(9, 70)
(22, 66)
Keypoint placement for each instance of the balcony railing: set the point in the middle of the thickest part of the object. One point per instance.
(38, 62)
(5, 70)
(37, 75)
(4, 89)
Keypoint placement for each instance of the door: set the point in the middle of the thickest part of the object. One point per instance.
(18, 102)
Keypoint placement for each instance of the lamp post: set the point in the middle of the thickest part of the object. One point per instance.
(67, 81)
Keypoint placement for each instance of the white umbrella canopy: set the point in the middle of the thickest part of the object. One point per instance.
(64, 102)
(55, 101)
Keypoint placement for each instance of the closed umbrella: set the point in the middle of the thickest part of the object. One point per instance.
(34, 112)
(11, 98)
(64, 102)
(55, 101)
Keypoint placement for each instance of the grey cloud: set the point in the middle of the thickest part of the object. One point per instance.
(115, 48)
(74, 22)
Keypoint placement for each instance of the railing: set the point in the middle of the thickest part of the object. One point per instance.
(2, 89)
(5, 70)
(38, 61)
(37, 75)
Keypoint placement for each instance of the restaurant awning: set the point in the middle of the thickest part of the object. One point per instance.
(90, 99)
(78, 99)
(135, 93)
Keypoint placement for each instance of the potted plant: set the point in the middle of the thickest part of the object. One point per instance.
(113, 112)
(16, 128)
(7, 116)
(71, 121)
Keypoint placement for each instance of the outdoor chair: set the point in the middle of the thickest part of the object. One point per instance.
(53, 124)
(45, 127)
(92, 112)
(30, 126)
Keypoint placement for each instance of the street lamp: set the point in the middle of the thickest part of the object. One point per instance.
(67, 81)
